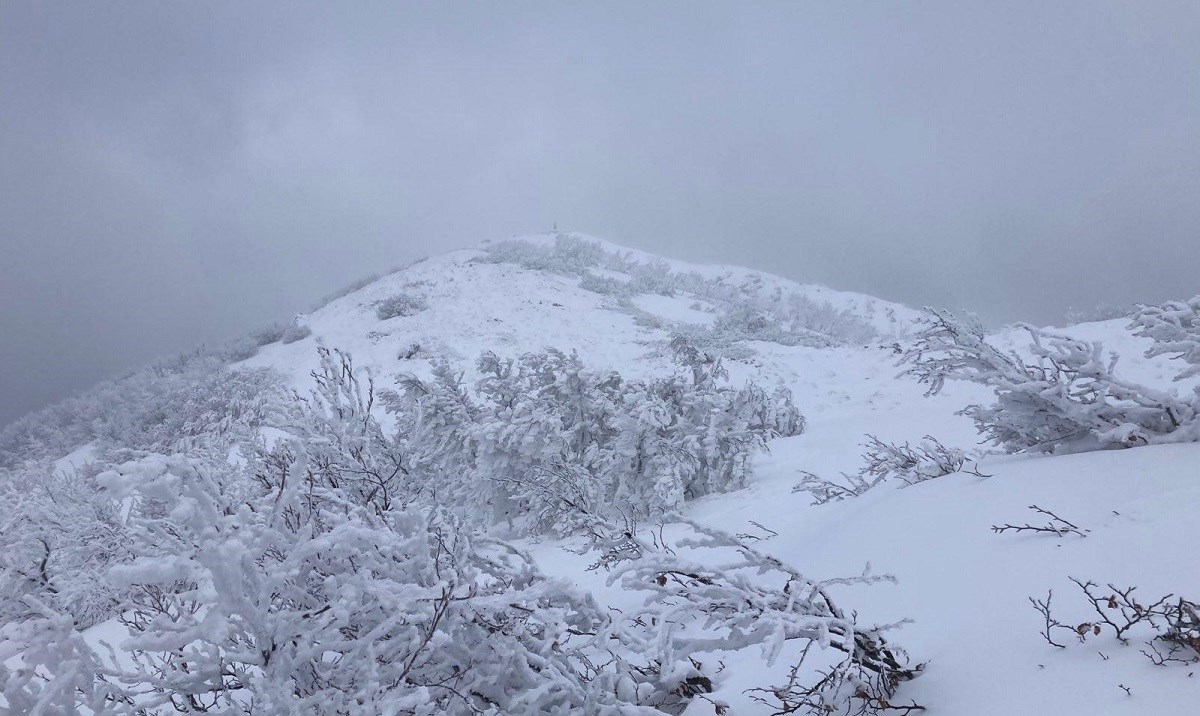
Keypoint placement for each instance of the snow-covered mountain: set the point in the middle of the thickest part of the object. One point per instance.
(966, 587)
(613, 305)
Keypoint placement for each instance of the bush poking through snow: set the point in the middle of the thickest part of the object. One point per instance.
(1067, 400)
(847, 687)
(929, 460)
(543, 423)
(399, 305)
(696, 609)
(287, 593)
(295, 333)
(824, 490)
(1172, 623)
(910, 465)
(1055, 525)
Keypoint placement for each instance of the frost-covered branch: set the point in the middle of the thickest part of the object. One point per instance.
(1175, 329)
(1067, 399)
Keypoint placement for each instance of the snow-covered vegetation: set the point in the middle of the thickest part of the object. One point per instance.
(748, 309)
(557, 476)
(1068, 396)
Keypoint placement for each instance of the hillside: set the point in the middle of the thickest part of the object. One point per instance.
(965, 587)
(615, 306)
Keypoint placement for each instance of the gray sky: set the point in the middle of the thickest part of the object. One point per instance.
(176, 173)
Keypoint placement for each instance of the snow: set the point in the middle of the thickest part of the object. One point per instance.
(75, 459)
(674, 308)
(965, 588)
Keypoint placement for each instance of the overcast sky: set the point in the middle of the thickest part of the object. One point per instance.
(174, 173)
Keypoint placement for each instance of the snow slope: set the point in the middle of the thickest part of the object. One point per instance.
(964, 587)
(473, 305)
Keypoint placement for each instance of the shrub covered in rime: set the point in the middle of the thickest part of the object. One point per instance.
(326, 574)
(749, 311)
(176, 405)
(927, 460)
(285, 593)
(543, 426)
(399, 305)
(295, 333)
(1175, 329)
(1067, 399)
(59, 535)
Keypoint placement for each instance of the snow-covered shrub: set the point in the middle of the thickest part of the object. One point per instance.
(569, 254)
(239, 350)
(748, 311)
(1067, 399)
(287, 594)
(59, 534)
(1175, 329)
(247, 346)
(745, 322)
(46, 667)
(800, 312)
(644, 446)
(295, 332)
(1100, 312)
(268, 334)
(315, 577)
(328, 573)
(170, 410)
(605, 285)
(400, 305)
(928, 460)
(697, 609)
(654, 276)
(543, 425)
(173, 405)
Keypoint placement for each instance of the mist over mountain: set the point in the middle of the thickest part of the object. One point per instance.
(175, 175)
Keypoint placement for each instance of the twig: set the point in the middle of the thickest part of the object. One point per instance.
(1056, 525)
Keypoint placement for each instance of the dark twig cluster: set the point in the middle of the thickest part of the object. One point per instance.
(1056, 525)
(1174, 621)
(748, 536)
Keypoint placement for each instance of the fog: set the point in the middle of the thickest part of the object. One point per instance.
(172, 174)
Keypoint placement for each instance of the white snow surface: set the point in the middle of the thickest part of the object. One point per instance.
(964, 587)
